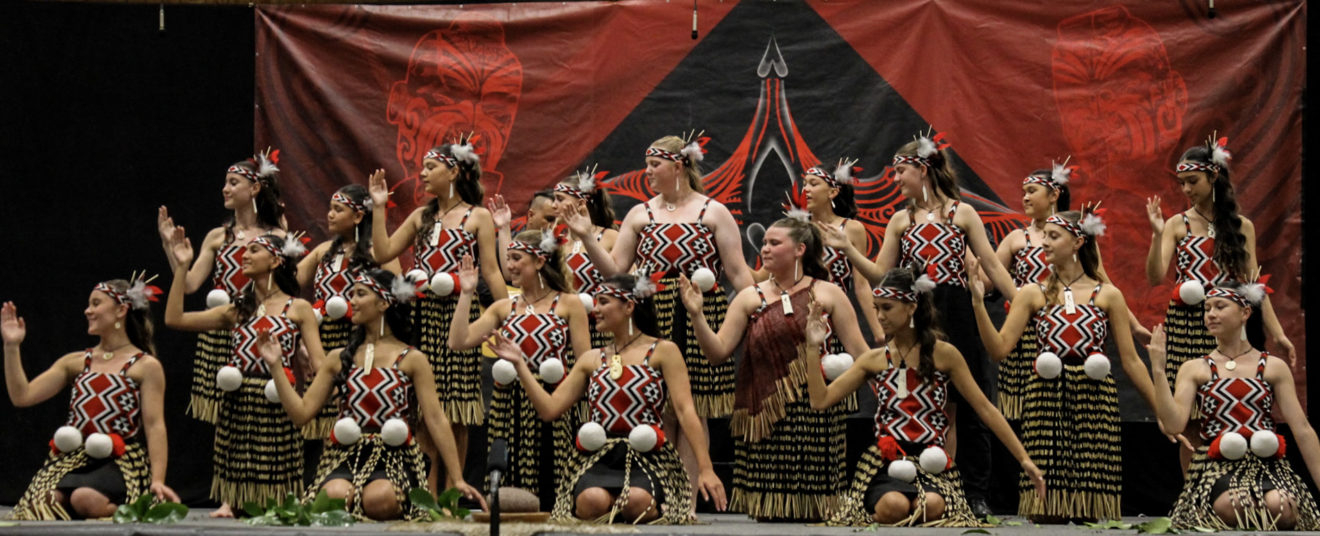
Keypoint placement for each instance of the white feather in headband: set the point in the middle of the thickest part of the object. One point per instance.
(1092, 225)
(923, 284)
(265, 165)
(293, 246)
(1061, 173)
(586, 181)
(1219, 152)
(548, 242)
(1253, 292)
(926, 147)
(693, 152)
(141, 295)
(403, 290)
(796, 213)
(843, 172)
(465, 152)
(644, 287)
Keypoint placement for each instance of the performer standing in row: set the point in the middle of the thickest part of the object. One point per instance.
(788, 459)
(911, 377)
(252, 191)
(371, 461)
(580, 194)
(258, 452)
(932, 236)
(448, 227)
(1078, 454)
(113, 447)
(1239, 478)
(549, 323)
(627, 383)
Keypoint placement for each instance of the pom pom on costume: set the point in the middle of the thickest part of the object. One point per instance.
(444, 283)
(704, 278)
(834, 365)
(217, 298)
(395, 432)
(934, 460)
(504, 373)
(591, 437)
(1096, 366)
(552, 370)
(229, 378)
(903, 470)
(346, 431)
(646, 437)
(1048, 365)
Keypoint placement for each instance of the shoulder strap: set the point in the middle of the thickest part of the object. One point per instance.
(1260, 366)
(130, 363)
(953, 210)
(649, 351)
(1214, 370)
(758, 293)
(463, 223)
(1095, 292)
(1186, 223)
(87, 360)
(649, 215)
(287, 304)
(702, 214)
(554, 304)
(405, 351)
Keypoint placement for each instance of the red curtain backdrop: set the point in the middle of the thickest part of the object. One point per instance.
(1121, 87)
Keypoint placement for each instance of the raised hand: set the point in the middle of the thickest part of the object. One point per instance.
(380, 192)
(1158, 357)
(164, 224)
(12, 326)
(1155, 215)
(270, 350)
(504, 348)
(816, 330)
(577, 220)
(467, 275)
(499, 211)
(975, 284)
(181, 249)
(833, 236)
(691, 295)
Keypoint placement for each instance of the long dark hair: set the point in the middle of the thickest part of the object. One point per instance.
(925, 319)
(285, 276)
(644, 316)
(599, 206)
(467, 184)
(939, 170)
(1065, 195)
(137, 323)
(360, 258)
(844, 204)
(1088, 255)
(270, 207)
(398, 316)
(803, 232)
(553, 270)
(1230, 242)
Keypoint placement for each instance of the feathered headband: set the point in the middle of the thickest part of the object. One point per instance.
(1219, 157)
(843, 173)
(265, 163)
(645, 287)
(582, 184)
(462, 151)
(920, 286)
(1060, 175)
(927, 147)
(691, 152)
(1246, 294)
(401, 290)
(293, 245)
(347, 201)
(1090, 225)
(139, 294)
(543, 250)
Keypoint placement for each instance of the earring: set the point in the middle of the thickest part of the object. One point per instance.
(121, 326)
(451, 188)
(382, 325)
(925, 196)
(630, 329)
(797, 269)
(1074, 256)
(254, 207)
(832, 203)
(1212, 194)
(1244, 332)
(912, 322)
(269, 277)
(539, 280)
(356, 237)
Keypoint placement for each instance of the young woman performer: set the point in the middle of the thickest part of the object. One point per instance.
(579, 194)
(252, 192)
(549, 323)
(788, 459)
(911, 377)
(258, 451)
(371, 460)
(451, 225)
(113, 448)
(1078, 454)
(1241, 481)
(627, 385)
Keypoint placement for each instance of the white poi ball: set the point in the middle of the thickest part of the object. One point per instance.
(99, 445)
(1096, 366)
(272, 392)
(347, 431)
(643, 438)
(229, 378)
(442, 283)
(934, 460)
(68, 438)
(552, 370)
(217, 298)
(336, 307)
(903, 470)
(394, 432)
(415, 276)
(1048, 365)
(1232, 446)
(588, 302)
(704, 278)
(591, 436)
(504, 372)
(836, 364)
(1191, 292)
(1264, 444)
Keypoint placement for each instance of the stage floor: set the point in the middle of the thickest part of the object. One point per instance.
(198, 523)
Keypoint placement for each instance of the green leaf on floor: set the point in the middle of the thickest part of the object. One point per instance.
(1159, 525)
(166, 512)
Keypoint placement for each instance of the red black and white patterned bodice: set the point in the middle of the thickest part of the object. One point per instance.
(1196, 259)
(586, 278)
(1076, 336)
(935, 248)
(678, 248)
(637, 397)
(106, 402)
(334, 276)
(540, 335)
(837, 264)
(228, 271)
(1241, 405)
(374, 396)
(441, 249)
(246, 356)
(1029, 265)
(918, 417)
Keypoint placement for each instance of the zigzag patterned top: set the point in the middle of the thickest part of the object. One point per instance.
(1072, 338)
(586, 278)
(919, 417)
(1241, 405)
(106, 402)
(334, 277)
(540, 335)
(1029, 265)
(374, 396)
(1196, 259)
(838, 265)
(442, 249)
(935, 248)
(678, 248)
(636, 398)
(247, 358)
(228, 270)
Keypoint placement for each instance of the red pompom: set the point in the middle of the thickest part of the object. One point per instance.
(889, 448)
(118, 442)
(1214, 453)
(53, 448)
(659, 437)
(319, 306)
(1283, 447)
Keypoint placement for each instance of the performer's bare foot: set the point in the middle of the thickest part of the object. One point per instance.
(223, 511)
